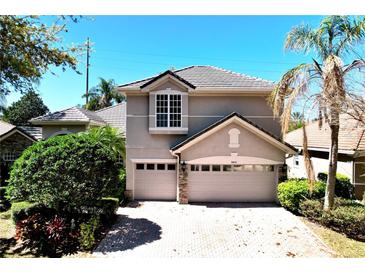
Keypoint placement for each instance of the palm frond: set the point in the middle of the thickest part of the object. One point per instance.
(356, 64)
(293, 84)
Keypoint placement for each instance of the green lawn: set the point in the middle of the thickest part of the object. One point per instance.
(339, 243)
(8, 245)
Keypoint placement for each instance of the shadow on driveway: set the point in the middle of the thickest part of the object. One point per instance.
(128, 233)
(236, 205)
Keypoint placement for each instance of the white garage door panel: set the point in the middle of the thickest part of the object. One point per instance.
(155, 185)
(232, 186)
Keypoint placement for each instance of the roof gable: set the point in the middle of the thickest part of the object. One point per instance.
(233, 118)
(167, 75)
(17, 130)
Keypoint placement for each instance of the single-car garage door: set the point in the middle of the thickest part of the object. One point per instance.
(155, 181)
(232, 183)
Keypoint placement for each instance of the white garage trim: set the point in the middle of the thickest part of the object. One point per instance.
(229, 160)
(155, 161)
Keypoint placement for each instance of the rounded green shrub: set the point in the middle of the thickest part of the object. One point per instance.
(343, 186)
(312, 209)
(72, 170)
(291, 192)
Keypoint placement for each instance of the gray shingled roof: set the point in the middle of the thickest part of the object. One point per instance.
(5, 127)
(35, 132)
(73, 114)
(209, 76)
(115, 116)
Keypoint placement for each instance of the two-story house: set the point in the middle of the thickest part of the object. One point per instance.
(202, 134)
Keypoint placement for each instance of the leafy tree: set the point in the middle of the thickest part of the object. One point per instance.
(28, 47)
(29, 106)
(103, 95)
(324, 85)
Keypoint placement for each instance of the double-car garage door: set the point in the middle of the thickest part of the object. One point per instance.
(207, 183)
(232, 183)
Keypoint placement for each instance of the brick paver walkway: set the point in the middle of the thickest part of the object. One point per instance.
(166, 229)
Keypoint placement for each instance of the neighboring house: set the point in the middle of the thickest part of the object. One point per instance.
(202, 134)
(76, 119)
(351, 151)
(13, 140)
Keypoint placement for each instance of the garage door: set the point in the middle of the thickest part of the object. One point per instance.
(229, 183)
(155, 181)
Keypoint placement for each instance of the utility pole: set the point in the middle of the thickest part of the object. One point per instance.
(87, 69)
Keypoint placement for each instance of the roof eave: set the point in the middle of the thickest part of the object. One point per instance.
(322, 149)
(52, 122)
(20, 131)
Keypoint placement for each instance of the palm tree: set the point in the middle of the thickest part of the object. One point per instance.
(110, 137)
(321, 86)
(297, 116)
(103, 95)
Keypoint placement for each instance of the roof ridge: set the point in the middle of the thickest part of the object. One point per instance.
(121, 103)
(52, 113)
(81, 110)
(241, 74)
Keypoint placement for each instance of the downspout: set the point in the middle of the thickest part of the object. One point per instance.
(177, 156)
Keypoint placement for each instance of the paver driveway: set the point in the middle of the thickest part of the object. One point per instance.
(166, 229)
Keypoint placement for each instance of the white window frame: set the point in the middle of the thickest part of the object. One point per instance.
(169, 94)
(295, 159)
(9, 156)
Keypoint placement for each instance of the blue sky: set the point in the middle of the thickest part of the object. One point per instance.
(128, 48)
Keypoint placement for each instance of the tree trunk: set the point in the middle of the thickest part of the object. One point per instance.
(332, 169)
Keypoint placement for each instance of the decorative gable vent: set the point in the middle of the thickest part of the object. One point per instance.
(234, 138)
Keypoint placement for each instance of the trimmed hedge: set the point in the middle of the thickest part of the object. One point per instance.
(343, 187)
(347, 217)
(291, 192)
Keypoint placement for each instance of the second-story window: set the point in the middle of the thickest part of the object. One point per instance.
(168, 110)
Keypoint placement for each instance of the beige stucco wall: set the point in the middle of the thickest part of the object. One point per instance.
(217, 144)
(48, 130)
(202, 112)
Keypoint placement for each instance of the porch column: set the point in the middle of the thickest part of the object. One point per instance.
(183, 184)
